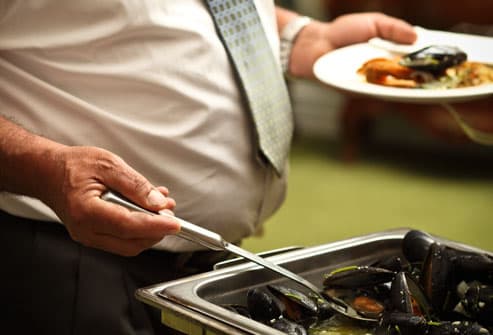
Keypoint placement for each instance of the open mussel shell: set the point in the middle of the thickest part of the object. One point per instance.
(434, 59)
(263, 305)
(298, 306)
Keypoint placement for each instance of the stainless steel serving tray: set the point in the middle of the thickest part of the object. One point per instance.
(197, 300)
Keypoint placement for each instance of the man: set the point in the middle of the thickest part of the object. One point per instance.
(123, 95)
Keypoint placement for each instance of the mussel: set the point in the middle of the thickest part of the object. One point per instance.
(283, 308)
(438, 277)
(401, 298)
(263, 305)
(298, 305)
(415, 245)
(357, 276)
(434, 59)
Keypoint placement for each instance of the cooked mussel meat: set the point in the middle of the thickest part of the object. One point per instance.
(368, 306)
(434, 59)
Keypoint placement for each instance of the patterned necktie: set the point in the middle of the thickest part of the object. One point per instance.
(242, 34)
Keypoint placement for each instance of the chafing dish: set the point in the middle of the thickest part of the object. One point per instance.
(193, 305)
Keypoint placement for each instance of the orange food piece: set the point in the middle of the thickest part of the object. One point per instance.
(388, 72)
(367, 305)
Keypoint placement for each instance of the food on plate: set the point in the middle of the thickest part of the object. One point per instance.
(434, 59)
(432, 67)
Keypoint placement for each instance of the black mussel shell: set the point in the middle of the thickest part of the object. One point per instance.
(415, 245)
(325, 309)
(404, 323)
(263, 305)
(400, 295)
(394, 263)
(435, 58)
(357, 276)
(473, 266)
(438, 276)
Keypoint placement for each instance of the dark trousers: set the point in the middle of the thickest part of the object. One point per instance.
(50, 284)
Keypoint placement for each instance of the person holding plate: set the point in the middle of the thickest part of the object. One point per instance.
(128, 96)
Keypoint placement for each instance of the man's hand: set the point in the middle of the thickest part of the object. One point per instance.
(82, 175)
(318, 38)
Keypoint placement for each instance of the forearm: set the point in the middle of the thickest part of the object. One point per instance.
(310, 43)
(27, 160)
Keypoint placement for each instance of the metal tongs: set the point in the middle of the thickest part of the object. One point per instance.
(214, 241)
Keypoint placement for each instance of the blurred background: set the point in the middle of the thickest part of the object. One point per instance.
(360, 165)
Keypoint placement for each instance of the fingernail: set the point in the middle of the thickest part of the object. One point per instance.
(155, 198)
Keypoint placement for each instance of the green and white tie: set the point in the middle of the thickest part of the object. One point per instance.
(261, 77)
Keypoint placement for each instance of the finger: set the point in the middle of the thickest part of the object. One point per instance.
(120, 222)
(120, 177)
(395, 30)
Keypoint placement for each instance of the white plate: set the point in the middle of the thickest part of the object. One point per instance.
(339, 68)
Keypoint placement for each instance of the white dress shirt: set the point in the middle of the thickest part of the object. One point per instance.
(150, 81)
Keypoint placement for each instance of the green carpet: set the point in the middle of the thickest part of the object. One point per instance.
(445, 190)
